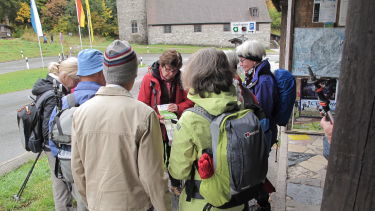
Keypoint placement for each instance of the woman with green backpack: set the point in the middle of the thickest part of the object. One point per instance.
(209, 80)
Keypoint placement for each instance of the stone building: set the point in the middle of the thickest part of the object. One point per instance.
(190, 22)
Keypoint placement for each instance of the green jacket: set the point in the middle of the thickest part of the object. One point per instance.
(192, 135)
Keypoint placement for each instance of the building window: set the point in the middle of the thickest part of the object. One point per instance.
(254, 12)
(167, 29)
(134, 26)
(226, 27)
(197, 28)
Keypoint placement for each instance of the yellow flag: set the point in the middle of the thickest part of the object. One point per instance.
(89, 24)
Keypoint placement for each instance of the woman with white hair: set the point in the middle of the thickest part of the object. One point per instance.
(260, 80)
(63, 73)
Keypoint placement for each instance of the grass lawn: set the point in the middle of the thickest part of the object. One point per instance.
(37, 194)
(20, 80)
(10, 50)
(23, 79)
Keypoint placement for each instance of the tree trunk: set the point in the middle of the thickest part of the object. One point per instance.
(350, 180)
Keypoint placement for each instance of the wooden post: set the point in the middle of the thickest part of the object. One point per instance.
(350, 180)
(284, 16)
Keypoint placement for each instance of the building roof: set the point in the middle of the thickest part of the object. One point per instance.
(160, 12)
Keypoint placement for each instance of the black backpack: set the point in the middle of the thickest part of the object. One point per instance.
(29, 122)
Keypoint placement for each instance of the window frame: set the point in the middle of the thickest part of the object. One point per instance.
(167, 29)
(134, 26)
(254, 11)
(197, 27)
(226, 27)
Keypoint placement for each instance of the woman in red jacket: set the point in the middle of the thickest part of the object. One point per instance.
(162, 85)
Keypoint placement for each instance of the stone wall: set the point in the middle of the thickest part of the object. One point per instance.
(126, 15)
(211, 35)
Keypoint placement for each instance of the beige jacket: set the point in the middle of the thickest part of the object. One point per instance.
(117, 157)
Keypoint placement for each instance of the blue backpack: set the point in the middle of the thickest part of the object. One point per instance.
(286, 86)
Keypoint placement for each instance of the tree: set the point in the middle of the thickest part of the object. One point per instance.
(52, 12)
(8, 10)
(23, 14)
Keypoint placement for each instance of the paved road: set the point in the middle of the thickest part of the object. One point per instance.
(9, 137)
(148, 59)
(6, 67)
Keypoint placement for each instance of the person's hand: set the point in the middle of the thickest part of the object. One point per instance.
(161, 119)
(172, 107)
(327, 128)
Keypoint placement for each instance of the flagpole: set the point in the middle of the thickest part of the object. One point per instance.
(61, 43)
(80, 37)
(79, 27)
(40, 50)
(88, 26)
(89, 23)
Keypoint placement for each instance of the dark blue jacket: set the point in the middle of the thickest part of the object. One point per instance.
(264, 87)
(84, 91)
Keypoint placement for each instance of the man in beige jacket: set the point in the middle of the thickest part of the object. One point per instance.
(117, 157)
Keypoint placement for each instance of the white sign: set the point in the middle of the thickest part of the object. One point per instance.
(343, 12)
(314, 105)
(243, 27)
(325, 11)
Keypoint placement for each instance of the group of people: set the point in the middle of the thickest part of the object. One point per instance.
(120, 152)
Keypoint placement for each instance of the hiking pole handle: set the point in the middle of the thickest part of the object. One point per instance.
(323, 99)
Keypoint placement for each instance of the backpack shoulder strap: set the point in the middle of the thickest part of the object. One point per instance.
(44, 97)
(71, 100)
(202, 112)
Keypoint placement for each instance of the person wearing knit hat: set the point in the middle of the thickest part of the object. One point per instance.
(116, 142)
(120, 63)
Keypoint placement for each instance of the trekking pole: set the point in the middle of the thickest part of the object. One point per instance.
(17, 197)
(323, 99)
(277, 143)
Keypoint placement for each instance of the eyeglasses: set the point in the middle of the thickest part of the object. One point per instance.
(242, 60)
(168, 69)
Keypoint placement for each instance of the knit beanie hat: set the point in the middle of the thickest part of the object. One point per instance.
(120, 63)
(90, 61)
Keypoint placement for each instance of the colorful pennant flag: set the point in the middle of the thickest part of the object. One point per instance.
(35, 21)
(80, 13)
(89, 20)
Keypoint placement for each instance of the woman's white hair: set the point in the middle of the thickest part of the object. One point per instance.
(251, 49)
(69, 68)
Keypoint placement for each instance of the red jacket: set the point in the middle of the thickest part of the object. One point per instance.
(150, 93)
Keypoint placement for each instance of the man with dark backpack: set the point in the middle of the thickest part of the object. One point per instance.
(90, 79)
(35, 118)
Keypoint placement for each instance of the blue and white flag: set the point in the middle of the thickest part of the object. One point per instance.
(35, 21)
